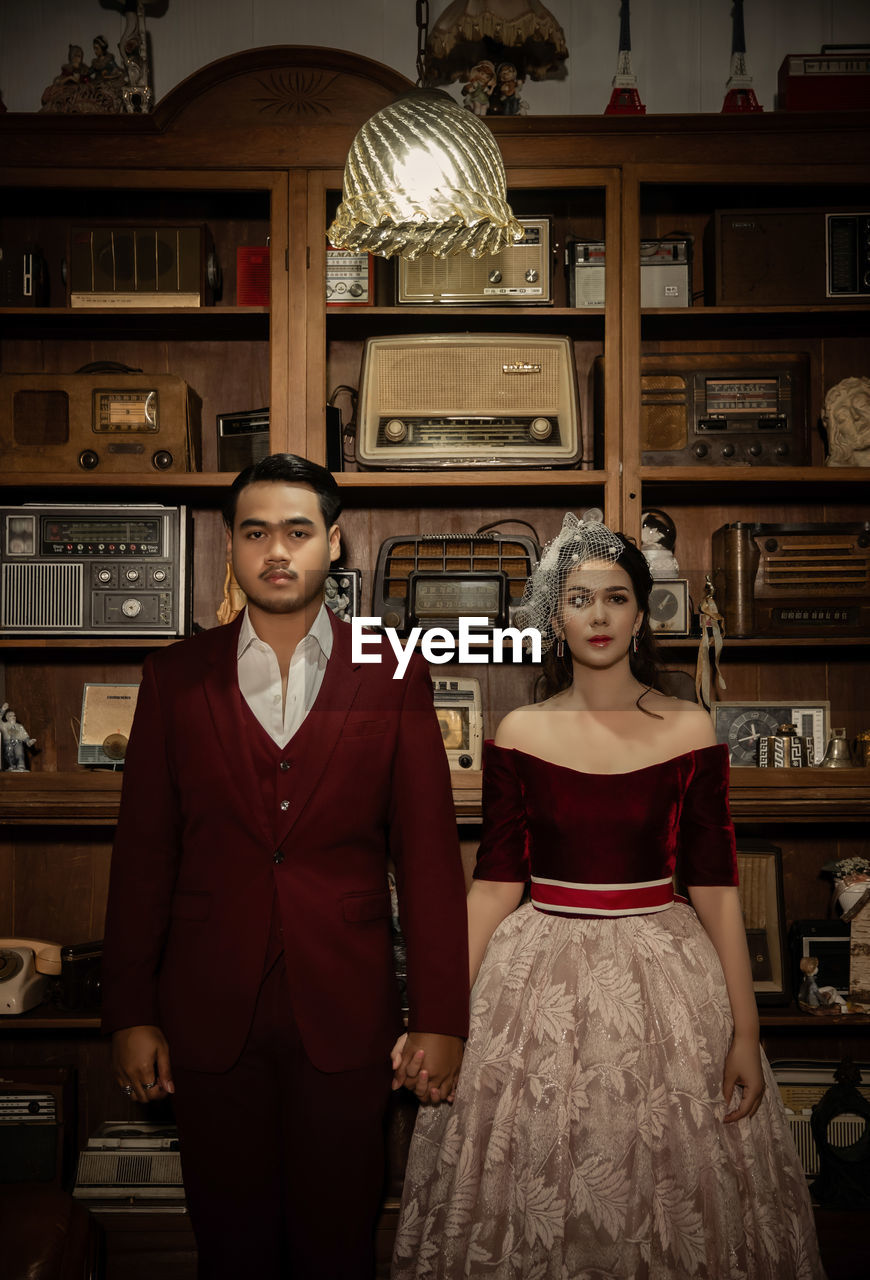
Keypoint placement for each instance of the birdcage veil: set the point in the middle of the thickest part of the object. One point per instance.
(578, 541)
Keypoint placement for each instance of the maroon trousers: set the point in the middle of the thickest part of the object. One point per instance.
(283, 1164)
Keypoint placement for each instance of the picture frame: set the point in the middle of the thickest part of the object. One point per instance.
(759, 866)
(741, 724)
(669, 609)
(342, 592)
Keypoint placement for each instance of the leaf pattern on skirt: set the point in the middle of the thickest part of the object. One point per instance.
(586, 1139)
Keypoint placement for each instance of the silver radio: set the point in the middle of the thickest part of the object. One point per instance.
(665, 275)
(468, 400)
(519, 273)
(460, 716)
(77, 570)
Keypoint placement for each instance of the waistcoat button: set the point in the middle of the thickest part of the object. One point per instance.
(285, 804)
(284, 766)
(278, 857)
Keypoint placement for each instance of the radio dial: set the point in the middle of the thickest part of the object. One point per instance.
(532, 275)
(494, 276)
(395, 430)
(728, 451)
(700, 450)
(392, 619)
(132, 575)
(131, 608)
(781, 451)
(159, 575)
(465, 762)
(88, 459)
(105, 575)
(162, 460)
(541, 428)
(755, 450)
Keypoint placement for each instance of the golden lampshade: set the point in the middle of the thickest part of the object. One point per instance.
(424, 175)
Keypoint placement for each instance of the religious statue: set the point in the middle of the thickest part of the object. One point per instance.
(16, 741)
(846, 416)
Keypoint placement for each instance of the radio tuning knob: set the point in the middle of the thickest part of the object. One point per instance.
(132, 575)
(392, 619)
(131, 608)
(88, 459)
(105, 575)
(159, 575)
(531, 275)
(755, 450)
(699, 450)
(782, 450)
(494, 276)
(540, 428)
(728, 451)
(162, 460)
(465, 761)
(395, 430)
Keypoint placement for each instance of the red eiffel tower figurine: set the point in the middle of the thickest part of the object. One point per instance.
(625, 99)
(739, 95)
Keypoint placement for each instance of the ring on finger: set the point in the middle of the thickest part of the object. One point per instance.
(152, 1085)
(128, 1089)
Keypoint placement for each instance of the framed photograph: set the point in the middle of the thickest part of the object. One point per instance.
(759, 867)
(342, 591)
(669, 613)
(741, 724)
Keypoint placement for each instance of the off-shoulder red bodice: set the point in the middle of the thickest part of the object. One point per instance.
(600, 833)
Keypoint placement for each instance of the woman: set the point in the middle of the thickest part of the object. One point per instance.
(614, 1115)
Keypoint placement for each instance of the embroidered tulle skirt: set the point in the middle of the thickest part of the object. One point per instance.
(587, 1137)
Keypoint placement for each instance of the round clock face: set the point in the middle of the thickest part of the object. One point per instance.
(663, 604)
(744, 731)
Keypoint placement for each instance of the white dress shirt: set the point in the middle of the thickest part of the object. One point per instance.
(260, 677)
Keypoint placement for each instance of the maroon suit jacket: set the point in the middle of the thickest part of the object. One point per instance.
(194, 869)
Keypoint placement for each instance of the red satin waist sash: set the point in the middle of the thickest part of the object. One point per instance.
(569, 898)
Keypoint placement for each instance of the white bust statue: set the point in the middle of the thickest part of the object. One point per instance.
(846, 416)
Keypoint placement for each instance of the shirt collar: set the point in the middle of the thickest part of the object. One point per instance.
(320, 633)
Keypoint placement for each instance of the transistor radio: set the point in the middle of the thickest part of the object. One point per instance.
(468, 400)
(100, 422)
(242, 438)
(80, 570)
(665, 277)
(793, 579)
(519, 273)
(459, 712)
(784, 257)
(434, 579)
(711, 409)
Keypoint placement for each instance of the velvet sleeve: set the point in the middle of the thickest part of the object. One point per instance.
(504, 846)
(707, 847)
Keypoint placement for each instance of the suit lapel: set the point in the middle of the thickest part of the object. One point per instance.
(221, 683)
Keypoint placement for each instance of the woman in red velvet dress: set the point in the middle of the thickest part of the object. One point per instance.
(614, 1116)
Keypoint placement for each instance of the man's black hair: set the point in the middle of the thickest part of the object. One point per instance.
(287, 468)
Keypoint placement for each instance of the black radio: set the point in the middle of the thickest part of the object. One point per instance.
(76, 570)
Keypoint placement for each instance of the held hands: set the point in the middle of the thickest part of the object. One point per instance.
(436, 1082)
(140, 1056)
(743, 1067)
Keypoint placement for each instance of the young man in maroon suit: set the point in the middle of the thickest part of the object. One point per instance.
(248, 960)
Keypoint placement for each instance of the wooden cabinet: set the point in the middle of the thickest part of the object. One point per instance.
(252, 147)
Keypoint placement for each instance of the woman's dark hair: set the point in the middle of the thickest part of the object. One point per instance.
(287, 468)
(558, 673)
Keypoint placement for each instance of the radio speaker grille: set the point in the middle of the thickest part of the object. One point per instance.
(470, 378)
(843, 1131)
(41, 595)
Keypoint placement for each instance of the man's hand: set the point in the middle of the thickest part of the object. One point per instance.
(436, 1081)
(140, 1056)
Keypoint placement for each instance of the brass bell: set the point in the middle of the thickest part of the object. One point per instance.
(838, 755)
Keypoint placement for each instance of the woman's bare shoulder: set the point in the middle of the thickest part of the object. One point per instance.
(687, 723)
(513, 730)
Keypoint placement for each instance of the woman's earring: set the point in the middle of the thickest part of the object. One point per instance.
(634, 642)
(560, 647)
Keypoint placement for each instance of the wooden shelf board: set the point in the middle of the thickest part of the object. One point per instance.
(47, 798)
(757, 475)
(90, 642)
(469, 479)
(767, 642)
(41, 1019)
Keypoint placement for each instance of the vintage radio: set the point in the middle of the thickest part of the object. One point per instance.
(37, 1124)
(135, 1163)
(784, 257)
(23, 277)
(434, 579)
(713, 410)
(459, 712)
(665, 277)
(253, 275)
(107, 422)
(242, 438)
(349, 278)
(468, 400)
(82, 570)
(519, 273)
(793, 579)
(127, 265)
(836, 79)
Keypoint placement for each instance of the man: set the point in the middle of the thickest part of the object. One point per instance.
(248, 961)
